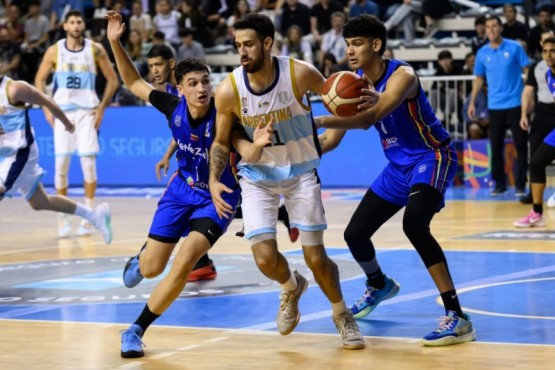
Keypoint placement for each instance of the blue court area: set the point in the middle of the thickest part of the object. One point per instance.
(509, 295)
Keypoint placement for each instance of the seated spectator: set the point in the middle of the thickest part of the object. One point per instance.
(444, 96)
(241, 8)
(359, 7)
(405, 16)
(320, 18)
(160, 39)
(189, 47)
(477, 128)
(513, 29)
(35, 41)
(295, 47)
(10, 55)
(193, 18)
(333, 41)
(435, 9)
(137, 52)
(140, 20)
(294, 13)
(468, 70)
(166, 20)
(329, 65)
(15, 23)
(480, 39)
(545, 23)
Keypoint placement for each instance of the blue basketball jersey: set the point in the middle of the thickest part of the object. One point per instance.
(412, 130)
(193, 147)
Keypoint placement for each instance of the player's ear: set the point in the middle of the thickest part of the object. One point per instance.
(376, 44)
(180, 89)
(172, 64)
(268, 41)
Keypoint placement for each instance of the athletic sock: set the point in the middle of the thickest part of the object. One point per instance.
(146, 318)
(451, 302)
(376, 279)
(538, 208)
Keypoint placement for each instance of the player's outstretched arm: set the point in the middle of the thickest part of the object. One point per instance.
(219, 152)
(330, 139)
(22, 92)
(402, 85)
(131, 77)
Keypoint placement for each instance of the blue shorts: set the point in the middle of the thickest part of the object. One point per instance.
(181, 203)
(436, 169)
(550, 138)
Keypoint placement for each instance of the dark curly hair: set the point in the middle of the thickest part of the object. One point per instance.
(189, 65)
(260, 23)
(367, 26)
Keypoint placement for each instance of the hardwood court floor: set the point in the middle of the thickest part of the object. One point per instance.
(235, 331)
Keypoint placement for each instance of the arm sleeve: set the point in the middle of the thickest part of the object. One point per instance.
(164, 102)
(479, 69)
(531, 76)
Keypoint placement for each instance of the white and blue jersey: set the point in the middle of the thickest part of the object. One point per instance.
(295, 149)
(415, 143)
(75, 77)
(187, 195)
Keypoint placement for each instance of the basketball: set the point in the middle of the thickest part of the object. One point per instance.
(341, 93)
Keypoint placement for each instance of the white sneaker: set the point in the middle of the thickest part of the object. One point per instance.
(102, 220)
(64, 226)
(84, 228)
(551, 201)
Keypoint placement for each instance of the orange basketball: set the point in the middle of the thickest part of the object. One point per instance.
(341, 93)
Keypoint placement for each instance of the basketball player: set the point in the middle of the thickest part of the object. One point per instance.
(19, 155)
(422, 164)
(272, 90)
(545, 153)
(75, 61)
(186, 207)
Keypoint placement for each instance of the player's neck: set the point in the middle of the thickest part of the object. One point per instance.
(197, 112)
(496, 43)
(263, 78)
(374, 69)
(73, 43)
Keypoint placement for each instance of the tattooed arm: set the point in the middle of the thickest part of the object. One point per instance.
(219, 152)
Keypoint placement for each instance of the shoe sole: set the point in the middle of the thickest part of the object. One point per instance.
(525, 226)
(212, 276)
(368, 310)
(354, 346)
(292, 327)
(450, 340)
(132, 354)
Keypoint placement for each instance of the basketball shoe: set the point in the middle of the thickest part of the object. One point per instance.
(64, 225)
(207, 272)
(288, 314)
(551, 201)
(84, 228)
(350, 333)
(131, 272)
(102, 220)
(372, 297)
(532, 219)
(131, 342)
(452, 330)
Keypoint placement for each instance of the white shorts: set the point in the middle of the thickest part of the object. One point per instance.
(303, 200)
(27, 173)
(84, 140)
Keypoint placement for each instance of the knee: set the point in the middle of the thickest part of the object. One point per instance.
(414, 225)
(265, 259)
(352, 235)
(151, 269)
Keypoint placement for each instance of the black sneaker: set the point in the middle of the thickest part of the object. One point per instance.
(527, 199)
(498, 191)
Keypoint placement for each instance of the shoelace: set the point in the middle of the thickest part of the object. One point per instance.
(135, 336)
(445, 323)
(285, 299)
(347, 327)
(368, 295)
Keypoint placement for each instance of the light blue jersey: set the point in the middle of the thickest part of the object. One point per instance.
(15, 128)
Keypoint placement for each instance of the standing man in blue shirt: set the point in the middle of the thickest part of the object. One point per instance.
(501, 62)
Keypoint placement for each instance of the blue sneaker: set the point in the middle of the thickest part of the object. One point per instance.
(372, 297)
(131, 343)
(452, 330)
(131, 272)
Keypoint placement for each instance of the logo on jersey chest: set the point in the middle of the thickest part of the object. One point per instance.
(177, 121)
(283, 97)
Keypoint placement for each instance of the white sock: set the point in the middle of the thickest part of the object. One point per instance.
(339, 307)
(89, 202)
(290, 284)
(84, 211)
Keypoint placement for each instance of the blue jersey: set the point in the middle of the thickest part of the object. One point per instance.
(412, 131)
(194, 138)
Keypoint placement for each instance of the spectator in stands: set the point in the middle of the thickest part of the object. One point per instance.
(10, 55)
(477, 126)
(445, 96)
(241, 8)
(388, 53)
(215, 22)
(513, 29)
(468, 70)
(501, 62)
(166, 20)
(35, 41)
(435, 9)
(537, 98)
(160, 39)
(480, 39)
(137, 52)
(294, 45)
(193, 18)
(333, 42)
(294, 13)
(15, 23)
(405, 15)
(544, 24)
(359, 7)
(386, 8)
(189, 49)
(329, 65)
(140, 20)
(320, 18)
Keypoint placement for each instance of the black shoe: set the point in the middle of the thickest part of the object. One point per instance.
(520, 192)
(498, 191)
(527, 199)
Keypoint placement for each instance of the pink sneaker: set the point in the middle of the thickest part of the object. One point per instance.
(531, 220)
